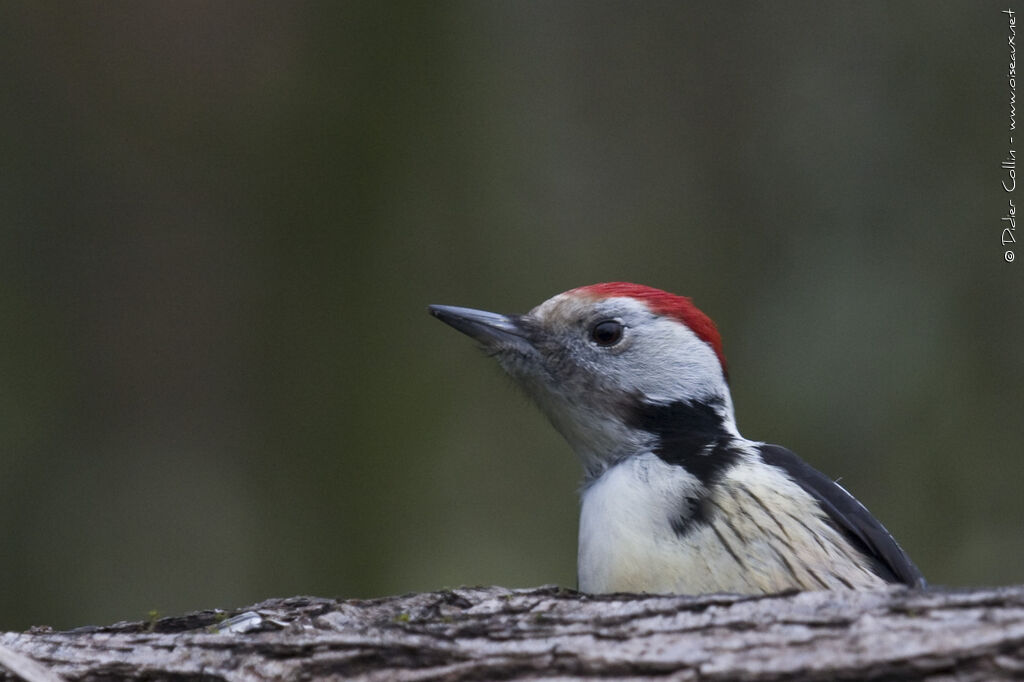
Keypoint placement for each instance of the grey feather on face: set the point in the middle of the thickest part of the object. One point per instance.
(583, 387)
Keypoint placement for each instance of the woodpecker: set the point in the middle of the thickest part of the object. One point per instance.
(674, 499)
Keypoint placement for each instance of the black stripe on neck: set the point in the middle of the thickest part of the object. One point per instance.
(690, 435)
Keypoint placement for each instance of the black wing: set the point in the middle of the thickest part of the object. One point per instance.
(888, 559)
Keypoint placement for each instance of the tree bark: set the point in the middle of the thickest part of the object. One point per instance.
(496, 633)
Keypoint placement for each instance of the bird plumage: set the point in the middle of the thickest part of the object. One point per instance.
(674, 498)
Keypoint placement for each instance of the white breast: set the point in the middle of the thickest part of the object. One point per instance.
(627, 542)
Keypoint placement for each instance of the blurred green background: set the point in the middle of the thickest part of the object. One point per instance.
(222, 223)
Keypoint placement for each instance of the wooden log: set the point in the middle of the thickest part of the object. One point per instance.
(497, 633)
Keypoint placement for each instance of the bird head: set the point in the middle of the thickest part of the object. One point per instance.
(606, 362)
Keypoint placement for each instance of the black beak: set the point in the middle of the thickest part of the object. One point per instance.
(494, 331)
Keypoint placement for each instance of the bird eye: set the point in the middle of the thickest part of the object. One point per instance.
(607, 333)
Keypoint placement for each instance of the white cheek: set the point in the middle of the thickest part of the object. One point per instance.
(666, 361)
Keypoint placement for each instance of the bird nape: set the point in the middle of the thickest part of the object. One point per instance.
(675, 500)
